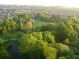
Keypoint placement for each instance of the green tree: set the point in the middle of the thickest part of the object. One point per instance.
(62, 58)
(13, 25)
(62, 32)
(3, 51)
(48, 37)
(28, 42)
(50, 53)
(20, 25)
(16, 19)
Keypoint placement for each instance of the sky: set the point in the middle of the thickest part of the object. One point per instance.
(65, 3)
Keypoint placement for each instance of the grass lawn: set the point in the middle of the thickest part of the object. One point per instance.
(39, 23)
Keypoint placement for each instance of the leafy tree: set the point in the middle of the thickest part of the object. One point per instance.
(66, 41)
(48, 37)
(37, 50)
(1, 41)
(20, 25)
(56, 18)
(50, 53)
(62, 32)
(38, 35)
(28, 25)
(3, 51)
(16, 19)
(75, 57)
(6, 24)
(62, 58)
(28, 42)
(63, 49)
(13, 25)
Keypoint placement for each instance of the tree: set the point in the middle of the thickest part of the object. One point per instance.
(48, 37)
(3, 51)
(30, 48)
(38, 35)
(16, 19)
(75, 57)
(26, 42)
(62, 58)
(62, 32)
(50, 53)
(1, 41)
(56, 18)
(62, 47)
(6, 24)
(20, 25)
(37, 50)
(28, 25)
(13, 25)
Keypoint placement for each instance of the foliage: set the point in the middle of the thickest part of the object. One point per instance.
(39, 36)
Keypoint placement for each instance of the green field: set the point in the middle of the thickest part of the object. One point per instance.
(40, 22)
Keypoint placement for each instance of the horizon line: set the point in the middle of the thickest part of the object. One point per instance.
(37, 5)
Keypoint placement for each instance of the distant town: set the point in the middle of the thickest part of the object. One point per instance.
(8, 11)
